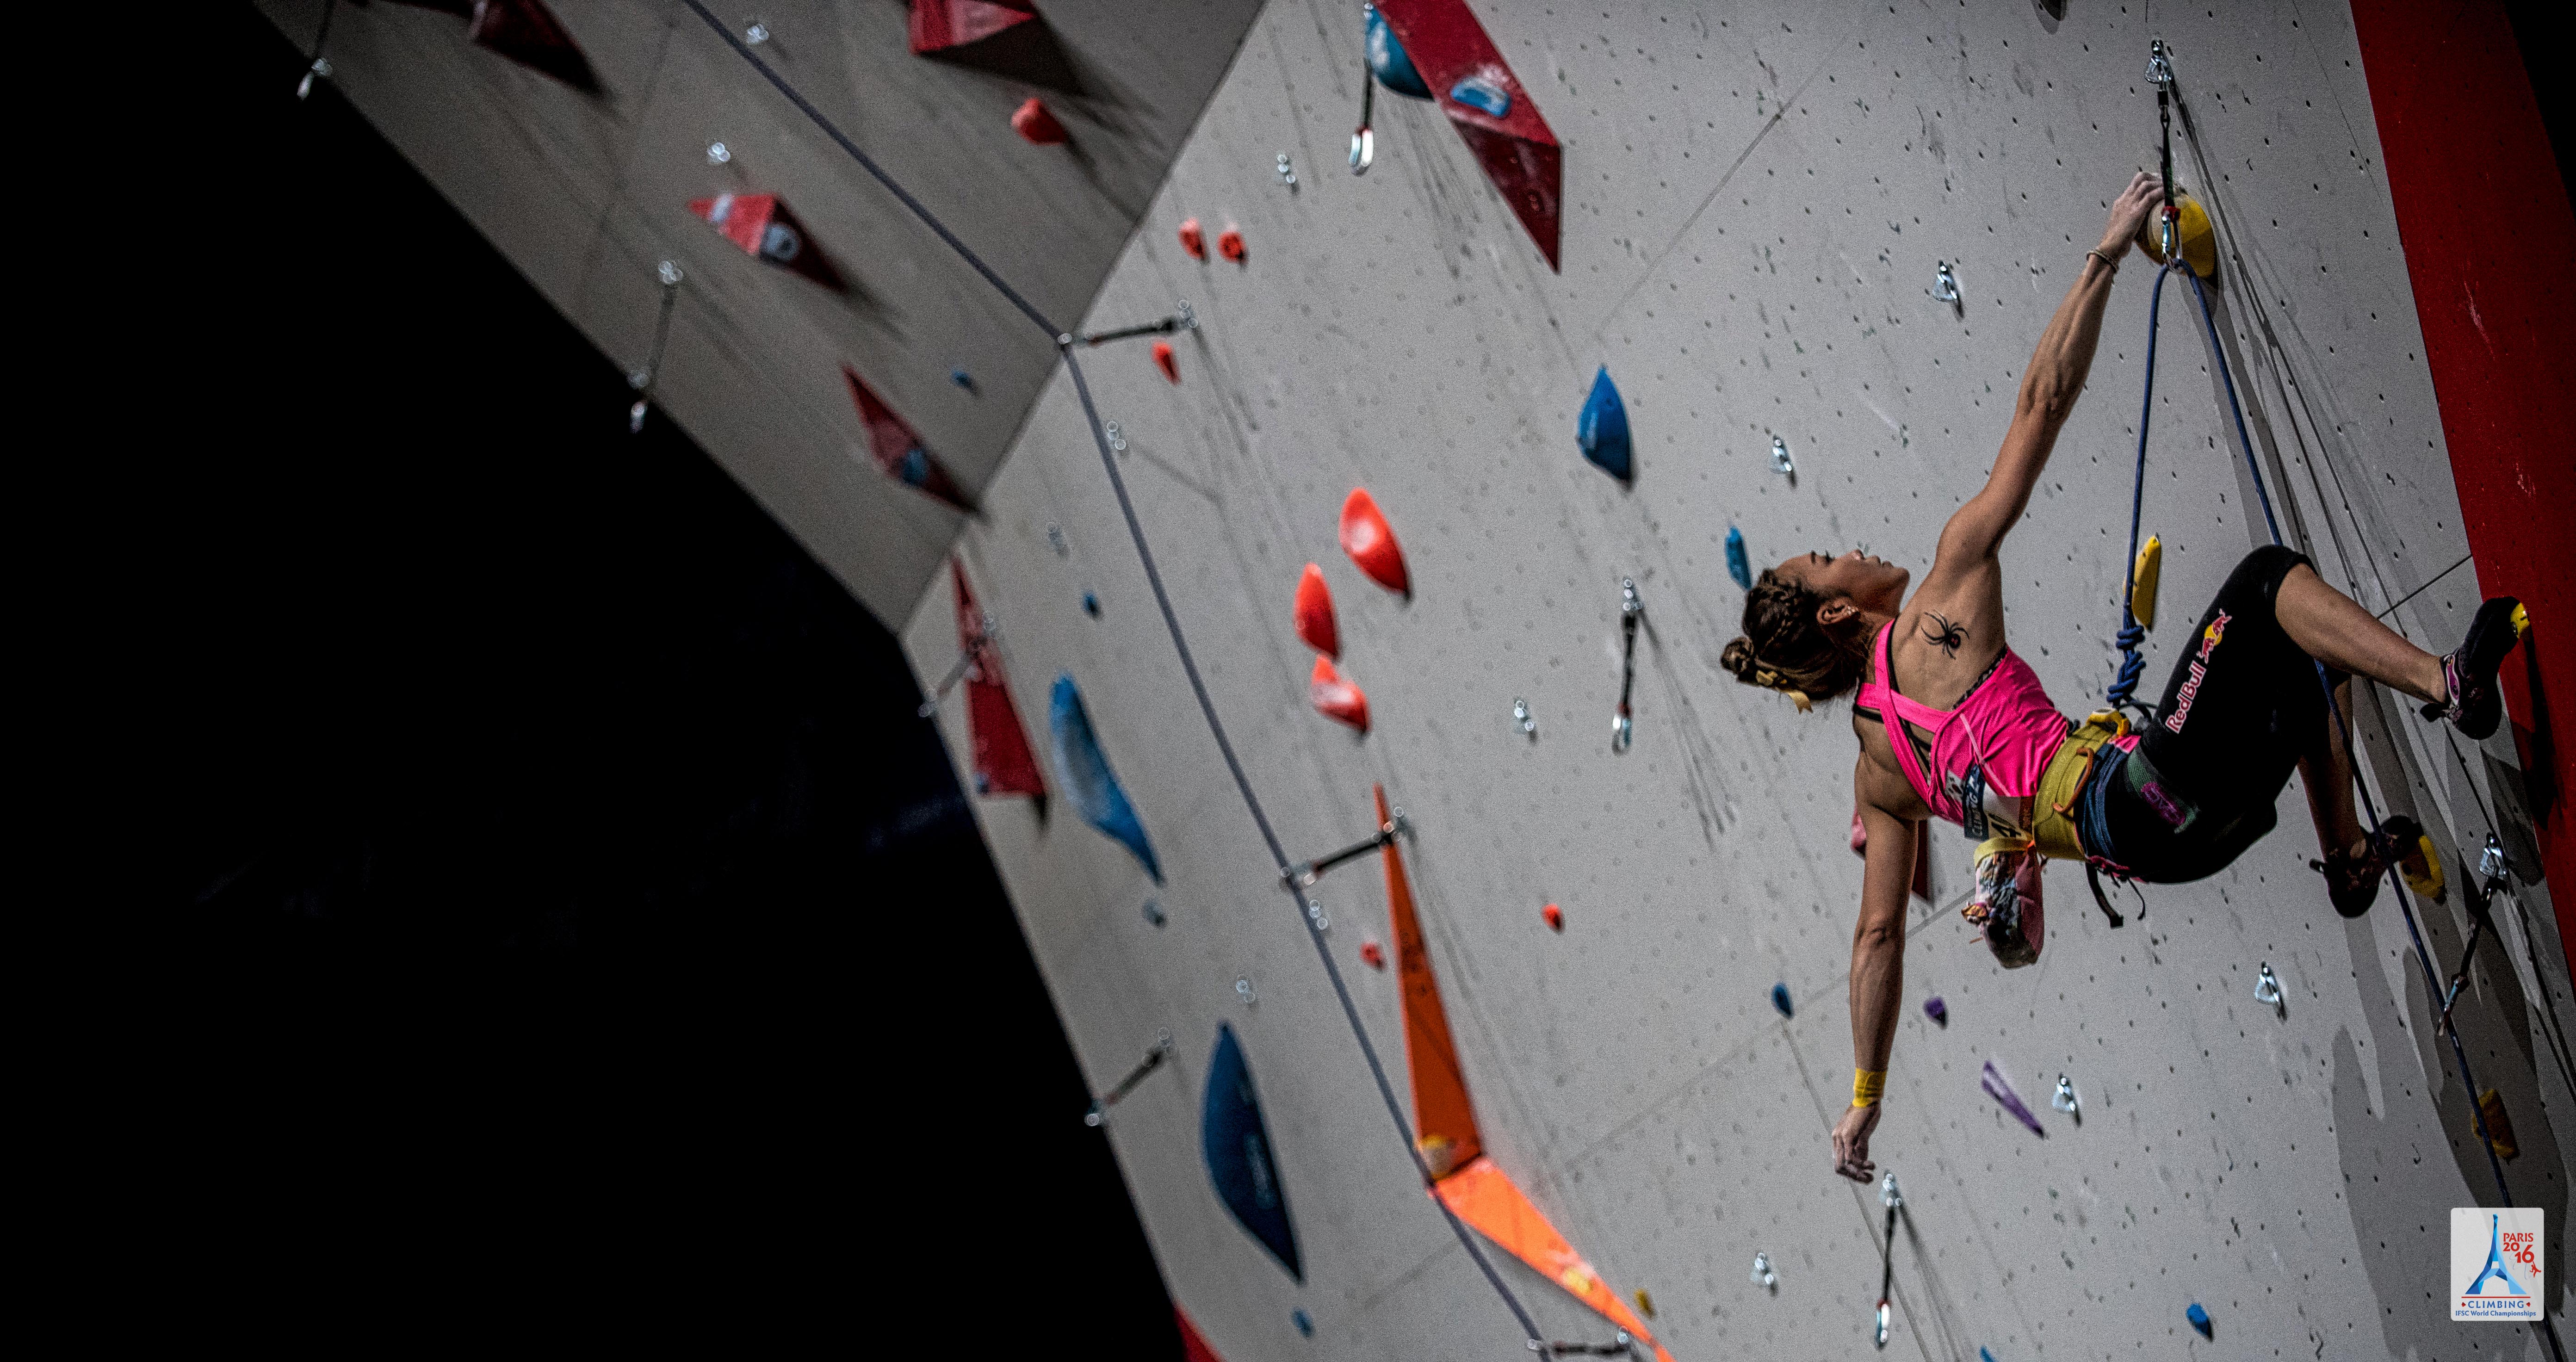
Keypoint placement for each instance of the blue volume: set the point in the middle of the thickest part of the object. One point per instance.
(1235, 1144)
(1084, 769)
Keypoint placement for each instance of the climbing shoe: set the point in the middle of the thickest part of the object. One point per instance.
(2352, 875)
(2470, 700)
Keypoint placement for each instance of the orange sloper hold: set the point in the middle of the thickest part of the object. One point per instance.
(1336, 698)
(1370, 542)
(1466, 1181)
(1315, 622)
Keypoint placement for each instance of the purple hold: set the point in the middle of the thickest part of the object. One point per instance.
(1937, 1010)
(1999, 1089)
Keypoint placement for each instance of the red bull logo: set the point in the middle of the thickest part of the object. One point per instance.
(2209, 639)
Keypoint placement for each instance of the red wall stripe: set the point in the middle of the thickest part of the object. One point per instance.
(2491, 250)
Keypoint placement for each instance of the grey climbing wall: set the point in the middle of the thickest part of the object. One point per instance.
(1756, 198)
(587, 192)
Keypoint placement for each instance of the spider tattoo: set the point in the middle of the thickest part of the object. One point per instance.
(1948, 637)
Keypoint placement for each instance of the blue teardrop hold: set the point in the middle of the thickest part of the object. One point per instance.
(1483, 95)
(1091, 605)
(2199, 1320)
(962, 379)
(1603, 428)
(1386, 58)
(1738, 566)
(914, 468)
(1304, 1325)
(1084, 770)
(1153, 912)
(1780, 999)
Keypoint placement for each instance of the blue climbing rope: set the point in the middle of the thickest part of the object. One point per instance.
(2124, 687)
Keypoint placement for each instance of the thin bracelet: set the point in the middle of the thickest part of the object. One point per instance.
(2107, 262)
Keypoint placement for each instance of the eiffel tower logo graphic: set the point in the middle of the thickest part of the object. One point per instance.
(2495, 1263)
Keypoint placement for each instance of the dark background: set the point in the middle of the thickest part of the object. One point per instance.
(548, 886)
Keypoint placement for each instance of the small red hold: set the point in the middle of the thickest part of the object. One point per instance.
(1033, 122)
(528, 33)
(1163, 360)
(1315, 622)
(1373, 954)
(1193, 239)
(1370, 542)
(942, 25)
(1337, 699)
(1229, 244)
(1555, 917)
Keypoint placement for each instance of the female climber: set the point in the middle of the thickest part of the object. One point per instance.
(1953, 725)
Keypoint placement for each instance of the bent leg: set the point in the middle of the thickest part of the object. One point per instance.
(2332, 628)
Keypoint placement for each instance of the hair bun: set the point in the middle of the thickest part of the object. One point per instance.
(1738, 658)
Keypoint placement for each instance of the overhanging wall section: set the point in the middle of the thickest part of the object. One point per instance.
(586, 192)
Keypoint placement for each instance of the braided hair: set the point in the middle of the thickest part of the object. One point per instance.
(1787, 649)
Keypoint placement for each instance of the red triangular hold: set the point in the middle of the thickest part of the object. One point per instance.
(1194, 1347)
(1315, 622)
(528, 33)
(941, 24)
(898, 449)
(1519, 154)
(761, 225)
(1337, 699)
(1370, 542)
(1166, 361)
(1004, 764)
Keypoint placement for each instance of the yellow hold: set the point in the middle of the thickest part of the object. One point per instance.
(2423, 869)
(2199, 240)
(1645, 1303)
(2521, 623)
(2142, 581)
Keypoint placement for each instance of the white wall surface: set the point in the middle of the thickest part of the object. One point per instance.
(1756, 199)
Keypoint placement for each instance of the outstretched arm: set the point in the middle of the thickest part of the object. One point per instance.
(2049, 388)
(1877, 967)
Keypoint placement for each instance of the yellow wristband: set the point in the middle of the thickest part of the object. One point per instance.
(1867, 1084)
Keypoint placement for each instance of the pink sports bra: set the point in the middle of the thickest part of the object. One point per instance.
(1998, 741)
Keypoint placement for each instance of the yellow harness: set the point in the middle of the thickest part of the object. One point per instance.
(2053, 808)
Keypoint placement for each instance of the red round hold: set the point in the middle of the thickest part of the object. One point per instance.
(1034, 122)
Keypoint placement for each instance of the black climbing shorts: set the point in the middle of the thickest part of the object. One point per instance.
(2243, 707)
